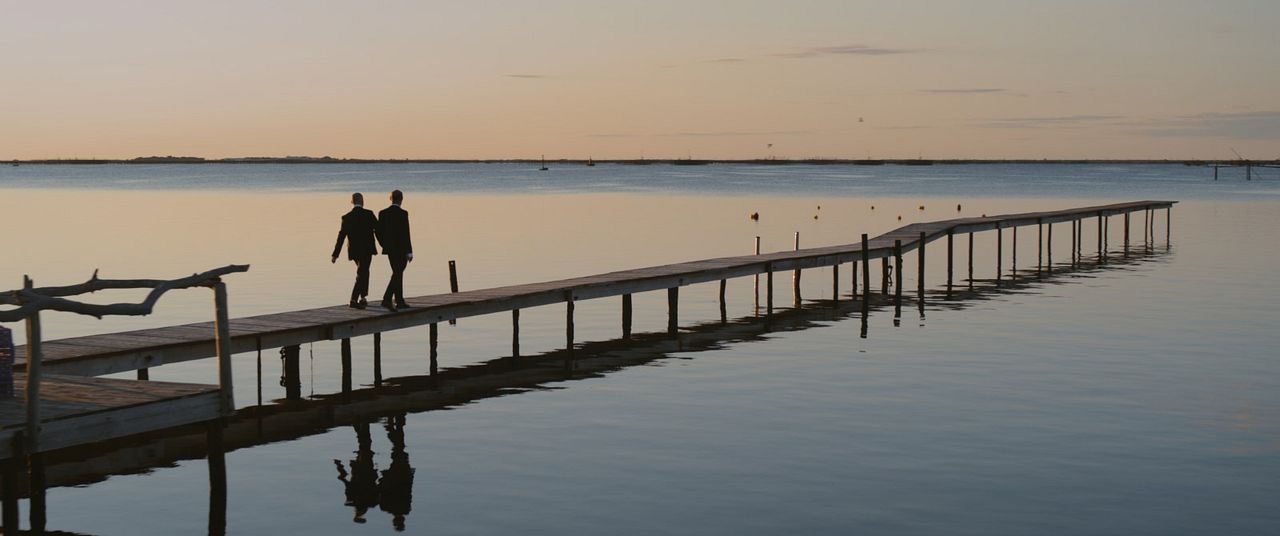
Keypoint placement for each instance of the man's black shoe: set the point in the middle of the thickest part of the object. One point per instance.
(386, 304)
(402, 305)
(355, 305)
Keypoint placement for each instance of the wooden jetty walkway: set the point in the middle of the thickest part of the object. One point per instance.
(75, 408)
(135, 350)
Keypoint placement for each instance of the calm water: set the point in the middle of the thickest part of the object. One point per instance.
(1139, 397)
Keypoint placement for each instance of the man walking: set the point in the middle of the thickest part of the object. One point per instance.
(359, 227)
(393, 234)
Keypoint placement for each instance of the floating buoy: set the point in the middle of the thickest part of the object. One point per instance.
(815, 216)
(984, 215)
(899, 217)
(921, 207)
(819, 207)
(755, 216)
(873, 207)
(957, 207)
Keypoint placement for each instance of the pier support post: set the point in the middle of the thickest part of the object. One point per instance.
(377, 359)
(1168, 224)
(950, 258)
(291, 375)
(346, 365)
(515, 333)
(1049, 248)
(433, 342)
(144, 374)
(222, 345)
(1073, 241)
(999, 253)
(1039, 245)
(12, 472)
(1126, 231)
(835, 283)
(673, 310)
(215, 453)
(970, 261)
(568, 323)
(897, 284)
(920, 269)
(884, 276)
(37, 485)
(768, 309)
(853, 280)
(453, 285)
(724, 309)
(626, 315)
(866, 272)
(1100, 225)
(757, 278)
(795, 278)
(1014, 274)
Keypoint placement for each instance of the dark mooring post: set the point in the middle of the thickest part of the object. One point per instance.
(346, 365)
(897, 269)
(999, 253)
(515, 333)
(433, 342)
(216, 454)
(866, 272)
(626, 316)
(291, 376)
(673, 310)
(377, 359)
(453, 285)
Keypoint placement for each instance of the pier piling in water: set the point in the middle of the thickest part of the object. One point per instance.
(433, 341)
(920, 268)
(291, 374)
(626, 316)
(673, 310)
(515, 333)
(897, 282)
(999, 253)
(866, 273)
(346, 365)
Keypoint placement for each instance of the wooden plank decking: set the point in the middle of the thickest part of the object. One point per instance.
(117, 352)
(76, 410)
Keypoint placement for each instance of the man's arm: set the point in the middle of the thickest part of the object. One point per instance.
(408, 244)
(337, 248)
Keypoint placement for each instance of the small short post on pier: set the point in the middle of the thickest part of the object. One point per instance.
(724, 310)
(515, 333)
(950, 257)
(626, 316)
(346, 365)
(866, 271)
(897, 269)
(433, 343)
(920, 269)
(216, 455)
(222, 345)
(999, 252)
(377, 359)
(795, 278)
(673, 310)
(568, 323)
(290, 373)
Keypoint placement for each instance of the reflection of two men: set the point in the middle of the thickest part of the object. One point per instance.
(392, 490)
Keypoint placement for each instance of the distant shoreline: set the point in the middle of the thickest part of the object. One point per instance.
(635, 161)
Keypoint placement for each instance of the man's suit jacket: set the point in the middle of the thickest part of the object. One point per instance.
(393, 231)
(359, 227)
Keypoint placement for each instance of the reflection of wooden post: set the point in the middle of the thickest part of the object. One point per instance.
(866, 272)
(626, 316)
(515, 333)
(673, 310)
(884, 275)
(222, 327)
(217, 477)
(35, 358)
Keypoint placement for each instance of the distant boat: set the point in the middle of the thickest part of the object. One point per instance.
(544, 164)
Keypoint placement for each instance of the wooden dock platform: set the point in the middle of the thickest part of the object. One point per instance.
(132, 350)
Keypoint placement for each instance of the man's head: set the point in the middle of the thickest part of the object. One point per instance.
(397, 196)
(357, 199)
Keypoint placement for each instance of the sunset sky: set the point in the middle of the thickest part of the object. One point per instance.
(656, 78)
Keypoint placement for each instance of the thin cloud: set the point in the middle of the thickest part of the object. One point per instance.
(1256, 125)
(1049, 121)
(964, 91)
(526, 76)
(847, 50)
(708, 134)
(725, 60)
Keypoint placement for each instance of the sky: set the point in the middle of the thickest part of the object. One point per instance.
(630, 79)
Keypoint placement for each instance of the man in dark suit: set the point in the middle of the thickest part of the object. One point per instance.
(393, 234)
(359, 227)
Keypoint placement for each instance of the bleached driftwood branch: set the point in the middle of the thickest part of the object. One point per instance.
(51, 298)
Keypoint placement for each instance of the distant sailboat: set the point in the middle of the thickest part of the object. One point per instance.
(590, 162)
(544, 163)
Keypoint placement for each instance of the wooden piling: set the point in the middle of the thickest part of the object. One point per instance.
(768, 310)
(433, 343)
(897, 269)
(835, 283)
(12, 468)
(568, 323)
(222, 343)
(999, 253)
(626, 316)
(950, 257)
(291, 374)
(1015, 253)
(1126, 231)
(515, 333)
(377, 359)
(1039, 245)
(1049, 247)
(866, 271)
(35, 357)
(673, 310)
(795, 278)
(36, 488)
(1100, 224)
(453, 285)
(884, 276)
(724, 309)
(970, 258)
(346, 365)
(757, 279)
(1074, 223)
(920, 269)
(1168, 224)
(144, 374)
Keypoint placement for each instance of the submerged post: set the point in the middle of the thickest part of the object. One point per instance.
(222, 343)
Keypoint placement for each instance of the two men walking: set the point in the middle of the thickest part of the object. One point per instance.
(390, 228)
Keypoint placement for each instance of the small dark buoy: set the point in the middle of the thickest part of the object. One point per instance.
(921, 207)
(755, 216)
(819, 207)
(899, 217)
(873, 207)
(815, 216)
(957, 208)
(984, 215)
